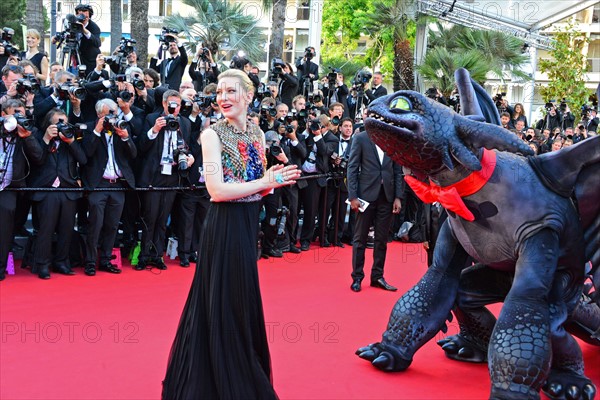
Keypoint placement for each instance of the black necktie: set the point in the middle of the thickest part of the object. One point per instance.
(345, 140)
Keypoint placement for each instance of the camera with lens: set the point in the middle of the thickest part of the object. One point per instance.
(7, 35)
(111, 122)
(124, 95)
(563, 105)
(127, 46)
(24, 86)
(138, 83)
(263, 92)
(277, 65)
(205, 54)
(498, 100)
(267, 110)
(275, 150)
(332, 76)
(205, 100)
(70, 131)
(361, 79)
(313, 98)
(549, 106)
(282, 215)
(69, 88)
(172, 123)
(308, 53)
(585, 112)
(25, 122)
(181, 153)
(343, 162)
(166, 38)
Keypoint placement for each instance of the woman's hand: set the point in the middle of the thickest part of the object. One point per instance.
(279, 175)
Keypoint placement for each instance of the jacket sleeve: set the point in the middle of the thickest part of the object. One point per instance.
(398, 181)
(353, 170)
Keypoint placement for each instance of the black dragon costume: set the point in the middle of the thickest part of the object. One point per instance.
(532, 225)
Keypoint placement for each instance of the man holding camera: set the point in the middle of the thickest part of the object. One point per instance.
(203, 69)
(308, 71)
(89, 41)
(109, 151)
(172, 66)
(164, 148)
(552, 119)
(287, 87)
(18, 150)
(334, 89)
(377, 90)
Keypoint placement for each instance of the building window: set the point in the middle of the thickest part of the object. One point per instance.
(301, 42)
(165, 7)
(126, 9)
(303, 10)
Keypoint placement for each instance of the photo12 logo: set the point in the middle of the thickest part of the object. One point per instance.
(70, 332)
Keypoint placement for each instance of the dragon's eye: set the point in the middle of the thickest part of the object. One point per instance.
(401, 103)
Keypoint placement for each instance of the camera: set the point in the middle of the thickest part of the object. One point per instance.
(282, 215)
(308, 53)
(111, 122)
(549, 106)
(205, 54)
(335, 120)
(287, 122)
(314, 126)
(172, 123)
(361, 79)
(205, 100)
(277, 65)
(585, 112)
(25, 86)
(275, 150)
(343, 161)
(165, 37)
(7, 35)
(431, 93)
(498, 100)
(332, 76)
(182, 152)
(124, 95)
(138, 83)
(267, 110)
(70, 131)
(313, 98)
(25, 122)
(69, 88)
(119, 58)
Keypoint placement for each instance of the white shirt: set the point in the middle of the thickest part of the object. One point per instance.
(6, 163)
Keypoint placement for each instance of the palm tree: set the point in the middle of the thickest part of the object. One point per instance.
(278, 30)
(116, 23)
(219, 22)
(440, 63)
(389, 21)
(139, 29)
(34, 18)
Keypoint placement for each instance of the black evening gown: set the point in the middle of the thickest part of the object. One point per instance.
(221, 350)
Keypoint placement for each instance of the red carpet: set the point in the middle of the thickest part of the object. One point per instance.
(108, 337)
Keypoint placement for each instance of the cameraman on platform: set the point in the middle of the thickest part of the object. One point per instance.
(203, 69)
(308, 71)
(19, 149)
(334, 89)
(287, 86)
(171, 65)
(552, 119)
(89, 40)
(377, 90)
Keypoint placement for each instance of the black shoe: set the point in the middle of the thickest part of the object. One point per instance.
(193, 258)
(161, 265)
(294, 249)
(141, 265)
(326, 244)
(63, 269)
(184, 262)
(355, 285)
(43, 272)
(2, 275)
(90, 269)
(304, 246)
(340, 244)
(108, 267)
(382, 284)
(274, 253)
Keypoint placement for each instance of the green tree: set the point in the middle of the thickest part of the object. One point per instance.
(12, 15)
(393, 22)
(440, 63)
(566, 69)
(139, 29)
(216, 22)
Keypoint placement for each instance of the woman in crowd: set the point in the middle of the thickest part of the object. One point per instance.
(220, 350)
(519, 115)
(33, 54)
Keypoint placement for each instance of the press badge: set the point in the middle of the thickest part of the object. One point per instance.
(56, 183)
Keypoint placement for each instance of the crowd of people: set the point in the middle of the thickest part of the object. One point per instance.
(111, 124)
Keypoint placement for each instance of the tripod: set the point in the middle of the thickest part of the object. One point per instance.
(69, 57)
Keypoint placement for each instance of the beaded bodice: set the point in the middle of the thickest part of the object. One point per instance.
(243, 156)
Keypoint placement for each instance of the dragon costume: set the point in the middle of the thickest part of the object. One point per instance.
(531, 223)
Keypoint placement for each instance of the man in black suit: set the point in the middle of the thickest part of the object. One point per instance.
(109, 150)
(320, 145)
(61, 157)
(375, 178)
(160, 146)
(89, 39)
(18, 150)
(172, 67)
(203, 69)
(377, 90)
(288, 85)
(308, 72)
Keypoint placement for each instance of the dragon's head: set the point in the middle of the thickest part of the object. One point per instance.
(426, 136)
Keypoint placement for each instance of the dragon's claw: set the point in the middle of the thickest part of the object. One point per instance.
(568, 385)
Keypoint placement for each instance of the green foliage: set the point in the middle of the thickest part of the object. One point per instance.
(348, 67)
(566, 69)
(217, 22)
(440, 63)
(12, 15)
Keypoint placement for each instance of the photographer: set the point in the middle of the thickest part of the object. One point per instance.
(123, 57)
(334, 89)
(62, 154)
(11, 74)
(308, 71)
(268, 112)
(163, 146)
(288, 83)
(109, 150)
(271, 202)
(9, 55)
(377, 90)
(203, 69)
(65, 94)
(172, 66)
(551, 120)
(589, 119)
(18, 151)
(88, 36)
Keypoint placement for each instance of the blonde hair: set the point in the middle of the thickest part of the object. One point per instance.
(241, 75)
(33, 33)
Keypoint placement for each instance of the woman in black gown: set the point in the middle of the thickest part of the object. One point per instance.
(37, 57)
(220, 350)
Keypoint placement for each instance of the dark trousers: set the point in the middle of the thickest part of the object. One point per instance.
(105, 209)
(289, 197)
(156, 207)
(379, 215)
(57, 214)
(8, 204)
(338, 214)
(22, 211)
(269, 224)
(192, 213)
(130, 217)
(309, 196)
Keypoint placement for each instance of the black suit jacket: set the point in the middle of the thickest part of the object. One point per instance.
(201, 80)
(96, 151)
(27, 152)
(346, 156)
(374, 94)
(366, 175)
(288, 88)
(304, 70)
(62, 163)
(150, 153)
(176, 69)
(90, 48)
